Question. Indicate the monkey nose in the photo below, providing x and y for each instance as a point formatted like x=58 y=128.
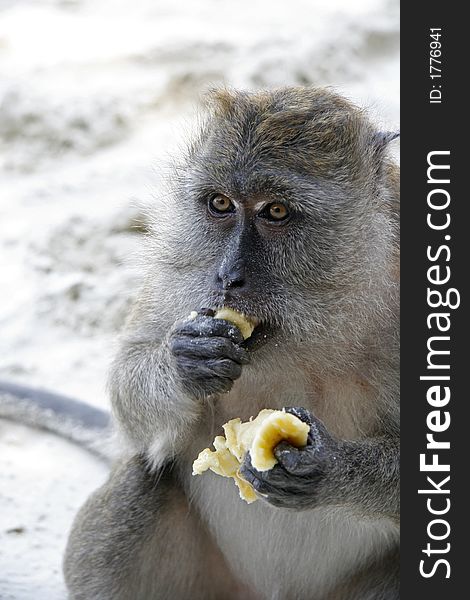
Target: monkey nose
x=234 y=277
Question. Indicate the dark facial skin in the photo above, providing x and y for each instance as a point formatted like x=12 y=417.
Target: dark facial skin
x=209 y=353
x=251 y=230
x=249 y=225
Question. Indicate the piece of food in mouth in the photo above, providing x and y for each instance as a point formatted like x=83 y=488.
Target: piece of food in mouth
x=245 y=324
x=258 y=436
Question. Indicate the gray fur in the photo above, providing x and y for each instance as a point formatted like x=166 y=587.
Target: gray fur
x=325 y=287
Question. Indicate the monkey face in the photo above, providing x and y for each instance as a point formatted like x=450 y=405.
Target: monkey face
x=277 y=210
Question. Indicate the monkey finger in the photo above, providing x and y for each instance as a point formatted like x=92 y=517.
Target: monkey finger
x=254 y=478
x=296 y=461
x=224 y=367
x=273 y=485
x=201 y=370
x=267 y=480
x=202 y=326
x=208 y=347
x=318 y=436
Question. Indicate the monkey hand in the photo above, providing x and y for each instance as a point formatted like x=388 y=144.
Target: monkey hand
x=296 y=480
x=208 y=354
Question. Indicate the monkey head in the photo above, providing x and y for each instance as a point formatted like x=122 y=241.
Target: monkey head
x=280 y=211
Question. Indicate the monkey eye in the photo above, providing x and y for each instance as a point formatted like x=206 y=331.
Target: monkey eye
x=275 y=211
x=220 y=205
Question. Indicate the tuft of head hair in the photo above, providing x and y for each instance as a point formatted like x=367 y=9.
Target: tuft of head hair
x=308 y=131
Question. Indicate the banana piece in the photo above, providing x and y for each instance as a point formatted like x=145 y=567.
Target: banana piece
x=245 y=324
x=258 y=436
x=275 y=428
x=224 y=463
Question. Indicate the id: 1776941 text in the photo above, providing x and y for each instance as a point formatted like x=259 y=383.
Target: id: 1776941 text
x=435 y=65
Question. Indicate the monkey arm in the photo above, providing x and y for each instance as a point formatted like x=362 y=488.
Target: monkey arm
x=158 y=388
x=372 y=469
x=362 y=474
x=151 y=407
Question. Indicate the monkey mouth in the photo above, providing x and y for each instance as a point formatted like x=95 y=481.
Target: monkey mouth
x=262 y=330
x=261 y=334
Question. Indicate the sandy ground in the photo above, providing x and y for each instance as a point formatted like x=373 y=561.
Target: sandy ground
x=95 y=96
x=43 y=480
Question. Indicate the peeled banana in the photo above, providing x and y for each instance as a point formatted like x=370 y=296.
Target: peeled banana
x=259 y=436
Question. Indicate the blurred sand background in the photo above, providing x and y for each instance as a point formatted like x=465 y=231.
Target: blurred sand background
x=95 y=96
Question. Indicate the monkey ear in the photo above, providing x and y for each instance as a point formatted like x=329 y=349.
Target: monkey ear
x=383 y=138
